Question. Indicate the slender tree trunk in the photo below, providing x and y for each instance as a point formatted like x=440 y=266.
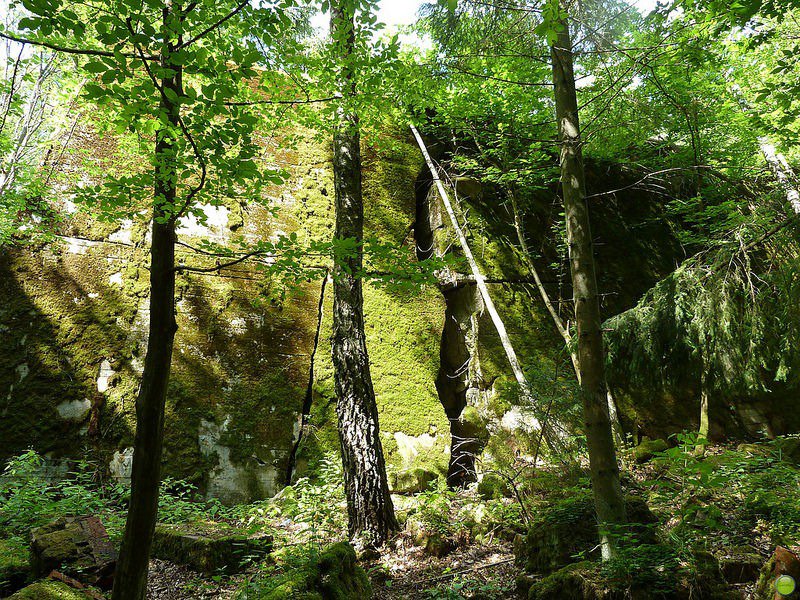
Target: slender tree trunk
x=704 y=428
x=130 y=582
x=608 y=498
x=369 y=505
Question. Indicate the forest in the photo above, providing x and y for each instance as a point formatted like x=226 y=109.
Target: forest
x=352 y=299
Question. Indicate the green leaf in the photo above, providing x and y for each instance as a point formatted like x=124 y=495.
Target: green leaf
x=96 y=67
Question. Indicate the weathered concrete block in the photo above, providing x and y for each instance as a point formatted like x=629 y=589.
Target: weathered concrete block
x=569 y=528
x=76 y=546
x=209 y=550
x=741 y=566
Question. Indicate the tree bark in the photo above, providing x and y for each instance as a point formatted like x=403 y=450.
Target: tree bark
x=370 y=511
x=608 y=498
x=130 y=581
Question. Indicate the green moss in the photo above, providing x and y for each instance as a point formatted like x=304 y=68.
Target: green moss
x=332 y=575
x=648 y=449
x=14 y=565
x=210 y=548
x=567 y=528
x=493 y=486
x=48 y=590
x=579 y=581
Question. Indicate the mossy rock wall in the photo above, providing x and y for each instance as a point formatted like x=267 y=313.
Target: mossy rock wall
x=74 y=317
x=730 y=332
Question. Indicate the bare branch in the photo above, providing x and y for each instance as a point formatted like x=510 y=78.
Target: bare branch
x=216 y=25
x=68 y=50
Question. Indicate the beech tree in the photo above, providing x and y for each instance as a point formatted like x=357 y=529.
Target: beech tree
x=369 y=505
x=167 y=71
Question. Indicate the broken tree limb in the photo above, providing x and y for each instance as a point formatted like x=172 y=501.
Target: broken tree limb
x=550 y=435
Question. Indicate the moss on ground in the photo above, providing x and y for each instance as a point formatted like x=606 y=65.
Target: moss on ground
x=14 y=565
x=48 y=590
x=332 y=575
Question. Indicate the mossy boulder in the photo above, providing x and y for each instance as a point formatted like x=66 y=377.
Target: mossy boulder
x=209 y=548
x=436 y=542
x=15 y=567
x=76 y=546
x=648 y=449
x=409 y=481
x=789 y=448
x=567 y=529
x=49 y=590
x=753 y=449
x=493 y=486
x=333 y=575
x=578 y=581
x=741 y=565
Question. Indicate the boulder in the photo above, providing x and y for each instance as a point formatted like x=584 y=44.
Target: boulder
x=411 y=481
x=753 y=449
x=15 y=567
x=49 y=590
x=789 y=448
x=76 y=546
x=435 y=543
x=568 y=528
x=647 y=450
x=578 y=581
x=493 y=486
x=334 y=575
x=209 y=549
x=782 y=562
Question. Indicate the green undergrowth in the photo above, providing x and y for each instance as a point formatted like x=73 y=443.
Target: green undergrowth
x=31 y=496
x=709 y=503
x=696 y=506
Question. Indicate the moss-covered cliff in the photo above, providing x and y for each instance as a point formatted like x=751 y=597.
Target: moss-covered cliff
x=725 y=326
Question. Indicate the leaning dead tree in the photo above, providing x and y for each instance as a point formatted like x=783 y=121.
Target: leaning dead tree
x=550 y=434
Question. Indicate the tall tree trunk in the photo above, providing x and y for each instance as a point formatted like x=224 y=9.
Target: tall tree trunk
x=608 y=498
x=369 y=505
x=130 y=582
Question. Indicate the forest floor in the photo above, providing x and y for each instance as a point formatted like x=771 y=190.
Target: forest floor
x=730 y=504
x=486 y=571
x=471 y=571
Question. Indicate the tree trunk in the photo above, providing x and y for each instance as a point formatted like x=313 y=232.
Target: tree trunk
x=130 y=581
x=604 y=469
x=369 y=505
